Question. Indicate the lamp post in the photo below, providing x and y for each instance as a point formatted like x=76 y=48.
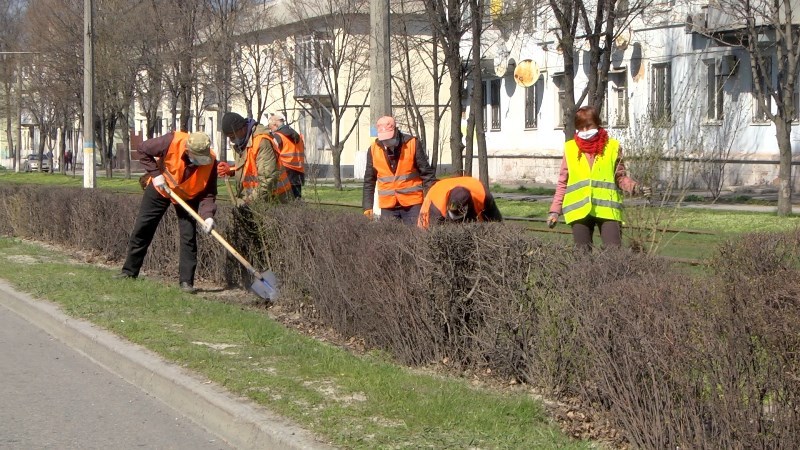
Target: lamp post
x=89 y=180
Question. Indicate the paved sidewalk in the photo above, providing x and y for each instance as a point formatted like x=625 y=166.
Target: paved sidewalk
x=237 y=421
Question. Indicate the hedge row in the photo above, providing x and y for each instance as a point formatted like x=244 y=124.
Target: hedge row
x=671 y=360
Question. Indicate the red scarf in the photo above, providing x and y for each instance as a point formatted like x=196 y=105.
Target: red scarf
x=594 y=145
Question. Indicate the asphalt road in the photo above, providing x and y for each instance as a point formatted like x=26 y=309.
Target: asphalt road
x=53 y=397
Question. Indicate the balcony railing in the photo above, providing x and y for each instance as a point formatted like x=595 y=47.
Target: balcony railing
x=309 y=83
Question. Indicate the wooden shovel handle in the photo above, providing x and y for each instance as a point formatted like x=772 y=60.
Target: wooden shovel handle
x=214 y=233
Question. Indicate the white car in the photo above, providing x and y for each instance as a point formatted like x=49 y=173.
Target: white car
x=31 y=164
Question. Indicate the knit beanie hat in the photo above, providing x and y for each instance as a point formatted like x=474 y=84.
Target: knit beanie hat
x=232 y=122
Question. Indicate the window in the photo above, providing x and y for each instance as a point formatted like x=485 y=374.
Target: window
x=762 y=108
x=533 y=103
x=619 y=98
x=714 y=91
x=796 y=102
x=314 y=52
x=558 y=80
x=494 y=93
x=661 y=94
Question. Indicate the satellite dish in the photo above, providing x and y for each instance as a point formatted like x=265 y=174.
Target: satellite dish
x=500 y=66
x=526 y=73
x=623 y=39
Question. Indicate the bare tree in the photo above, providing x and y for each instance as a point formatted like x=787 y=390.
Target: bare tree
x=770 y=33
x=330 y=63
x=449 y=19
x=10 y=12
x=416 y=51
x=594 y=25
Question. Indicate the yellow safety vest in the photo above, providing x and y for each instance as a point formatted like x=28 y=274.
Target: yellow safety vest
x=592 y=191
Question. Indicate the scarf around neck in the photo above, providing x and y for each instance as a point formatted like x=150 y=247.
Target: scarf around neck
x=594 y=145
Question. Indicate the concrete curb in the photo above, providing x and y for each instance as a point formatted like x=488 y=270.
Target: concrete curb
x=237 y=421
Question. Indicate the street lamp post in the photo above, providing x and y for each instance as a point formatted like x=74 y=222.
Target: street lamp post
x=89 y=180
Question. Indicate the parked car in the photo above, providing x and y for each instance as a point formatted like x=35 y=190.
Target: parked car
x=31 y=164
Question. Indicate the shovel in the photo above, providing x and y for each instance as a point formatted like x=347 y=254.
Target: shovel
x=265 y=283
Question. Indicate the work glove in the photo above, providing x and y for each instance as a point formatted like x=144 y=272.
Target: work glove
x=368 y=214
x=224 y=169
x=161 y=184
x=552 y=219
x=644 y=191
x=208 y=225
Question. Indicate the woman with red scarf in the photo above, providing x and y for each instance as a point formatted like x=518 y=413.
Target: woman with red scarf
x=588 y=190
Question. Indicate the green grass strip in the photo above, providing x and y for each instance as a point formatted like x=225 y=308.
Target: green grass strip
x=354 y=401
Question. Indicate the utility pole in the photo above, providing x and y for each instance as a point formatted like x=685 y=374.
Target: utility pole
x=18 y=155
x=380 y=98
x=89 y=180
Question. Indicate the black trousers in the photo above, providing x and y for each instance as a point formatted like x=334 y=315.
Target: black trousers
x=610 y=232
x=151 y=211
x=296 y=179
x=407 y=214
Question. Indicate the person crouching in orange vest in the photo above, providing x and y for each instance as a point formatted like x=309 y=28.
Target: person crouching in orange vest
x=185 y=164
x=291 y=151
x=398 y=166
x=257 y=171
x=457 y=200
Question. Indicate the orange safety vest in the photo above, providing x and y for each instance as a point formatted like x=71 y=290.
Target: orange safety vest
x=173 y=167
x=439 y=195
x=250 y=169
x=292 y=155
x=404 y=186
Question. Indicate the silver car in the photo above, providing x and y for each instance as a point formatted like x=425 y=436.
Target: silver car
x=31 y=164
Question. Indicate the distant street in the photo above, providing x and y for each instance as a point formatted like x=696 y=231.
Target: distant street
x=53 y=397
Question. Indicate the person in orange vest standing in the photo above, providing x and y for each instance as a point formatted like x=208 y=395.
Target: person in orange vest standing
x=291 y=151
x=257 y=171
x=185 y=164
x=398 y=166
x=458 y=200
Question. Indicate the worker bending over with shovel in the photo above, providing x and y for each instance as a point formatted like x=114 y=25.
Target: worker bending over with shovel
x=257 y=171
x=183 y=163
x=458 y=200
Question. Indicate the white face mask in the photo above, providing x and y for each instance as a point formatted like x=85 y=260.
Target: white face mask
x=588 y=134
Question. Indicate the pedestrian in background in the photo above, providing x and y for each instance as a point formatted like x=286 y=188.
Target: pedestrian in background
x=67 y=160
x=257 y=172
x=589 y=184
x=398 y=166
x=184 y=164
x=458 y=200
x=291 y=151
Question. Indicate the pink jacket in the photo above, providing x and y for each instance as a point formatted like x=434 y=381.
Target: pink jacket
x=620 y=176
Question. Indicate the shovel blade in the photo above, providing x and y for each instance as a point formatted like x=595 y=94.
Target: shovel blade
x=265 y=285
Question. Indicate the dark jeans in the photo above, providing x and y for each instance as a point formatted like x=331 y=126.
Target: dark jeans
x=297 y=179
x=151 y=211
x=408 y=214
x=610 y=232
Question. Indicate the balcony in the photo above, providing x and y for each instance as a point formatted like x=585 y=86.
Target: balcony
x=309 y=83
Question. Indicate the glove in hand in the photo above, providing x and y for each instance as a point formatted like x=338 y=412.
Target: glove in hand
x=552 y=220
x=224 y=169
x=208 y=225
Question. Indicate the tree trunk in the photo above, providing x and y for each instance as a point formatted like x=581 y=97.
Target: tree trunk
x=337 y=164
x=783 y=130
x=62 y=148
x=456 y=146
x=9 y=134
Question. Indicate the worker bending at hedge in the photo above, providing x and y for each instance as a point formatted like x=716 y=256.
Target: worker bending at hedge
x=291 y=151
x=398 y=166
x=257 y=171
x=458 y=200
x=185 y=164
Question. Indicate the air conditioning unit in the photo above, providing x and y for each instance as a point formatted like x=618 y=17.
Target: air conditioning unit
x=727 y=66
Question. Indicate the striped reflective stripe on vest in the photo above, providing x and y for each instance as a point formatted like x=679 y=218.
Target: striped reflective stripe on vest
x=594 y=201
x=408 y=190
x=394 y=178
